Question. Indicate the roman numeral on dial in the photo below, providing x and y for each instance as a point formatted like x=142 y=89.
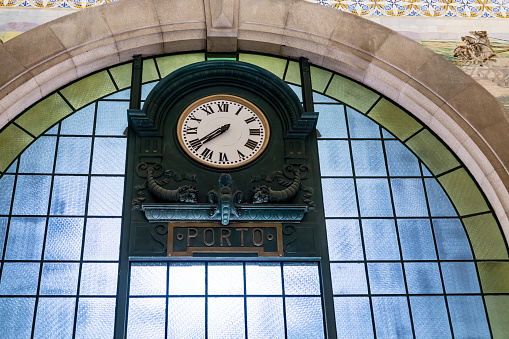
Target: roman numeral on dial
x=250 y=120
x=251 y=144
x=222 y=107
x=207 y=154
x=222 y=157
x=208 y=110
x=192 y=130
x=254 y=131
x=196 y=144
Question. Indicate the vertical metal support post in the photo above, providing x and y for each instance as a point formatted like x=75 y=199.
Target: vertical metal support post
x=135 y=99
x=307 y=89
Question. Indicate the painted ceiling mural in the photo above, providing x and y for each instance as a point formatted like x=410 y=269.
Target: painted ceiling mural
x=473 y=34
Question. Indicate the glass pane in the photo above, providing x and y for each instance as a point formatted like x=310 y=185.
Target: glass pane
x=349 y=279
x=439 y=203
x=380 y=239
x=109 y=156
x=452 y=241
x=32 y=195
x=80 y=123
x=387 y=135
x=125 y=94
x=63 y=239
x=148 y=279
x=3 y=231
x=304 y=318
x=353 y=317
x=106 y=196
x=391 y=317
x=374 y=197
x=186 y=279
x=53 y=130
x=6 y=185
x=146 y=318
x=360 y=126
x=301 y=279
x=111 y=118
x=73 y=155
x=99 y=279
x=460 y=277
x=368 y=158
x=265 y=318
x=416 y=239
x=69 y=195
x=26 y=236
x=186 y=318
x=19 y=278
x=319 y=98
x=423 y=278
x=400 y=160
x=13 y=167
x=225 y=278
x=334 y=158
x=59 y=278
x=55 y=318
x=468 y=317
x=223 y=308
x=39 y=157
x=102 y=239
x=331 y=121
x=146 y=88
x=386 y=278
x=430 y=317
x=16 y=316
x=339 y=197
x=405 y=190
x=96 y=318
x=344 y=239
x=263 y=279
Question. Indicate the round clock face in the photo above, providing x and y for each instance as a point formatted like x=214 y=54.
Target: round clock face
x=223 y=131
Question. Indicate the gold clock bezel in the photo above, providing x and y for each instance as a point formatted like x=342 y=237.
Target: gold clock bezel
x=229 y=97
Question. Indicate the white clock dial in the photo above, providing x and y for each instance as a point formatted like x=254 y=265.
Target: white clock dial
x=223 y=131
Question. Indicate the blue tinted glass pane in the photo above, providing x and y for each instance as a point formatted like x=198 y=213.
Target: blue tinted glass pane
x=125 y=94
x=334 y=158
x=374 y=197
x=368 y=158
x=349 y=279
x=361 y=126
x=80 y=123
x=301 y=279
x=63 y=239
x=55 y=318
x=148 y=279
x=52 y=131
x=425 y=171
x=460 y=277
x=439 y=203
x=400 y=160
x=416 y=239
x=6 y=185
x=96 y=318
x=19 y=278
x=32 y=195
x=73 y=155
x=319 y=98
x=225 y=278
x=3 y=230
x=423 y=278
x=16 y=316
x=26 y=236
x=339 y=197
x=69 y=195
x=13 y=167
x=146 y=88
x=39 y=157
x=380 y=239
x=386 y=278
x=109 y=156
x=59 y=278
x=387 y=135
x=186 y=318
x=452 y=241
x=99 y=279
x=186 y=278
x=265 y=318
x=102 y=239
x=106 y=196
x=111 y=118
x=220 y=309
x=468 y=317
x=353 y=317
x=146 y=318
x=391 y=317
x=331 y=121
x=304 y=318
x=430 y=317
x=405 y=191
x=263 y=278
x=344 y=239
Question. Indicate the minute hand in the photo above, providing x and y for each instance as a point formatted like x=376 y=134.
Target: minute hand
x=215 y=133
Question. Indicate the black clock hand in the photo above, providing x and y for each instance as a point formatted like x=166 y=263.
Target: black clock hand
x=215 y=133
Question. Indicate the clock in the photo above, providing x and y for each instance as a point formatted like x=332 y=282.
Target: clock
x=223 y=131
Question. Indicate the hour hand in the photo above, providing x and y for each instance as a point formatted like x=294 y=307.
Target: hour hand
x=215 y=133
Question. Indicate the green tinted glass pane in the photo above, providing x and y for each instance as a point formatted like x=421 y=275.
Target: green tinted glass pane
x=432 y=152
x=494 y=276
x=273 y=65
x=122 y=75
x=171 y=63
x=88 y=89
x=44 y=114
x=497 y=306
x=12 y=141
x=394 y=119
x=351 y=93
x=319 y=79
x=293 y=73
x=149 y=71
x=222 y=56
x=486 y=238
x=463 y=192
